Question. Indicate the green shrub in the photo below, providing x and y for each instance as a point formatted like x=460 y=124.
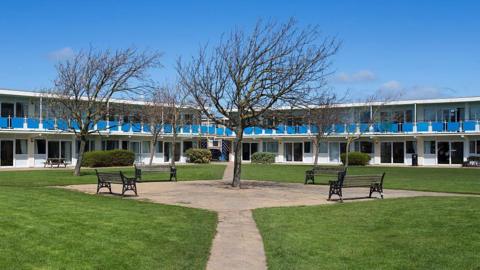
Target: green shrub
x=197 y=155
x=108 y=158
x=356 y=158
x=263 y=158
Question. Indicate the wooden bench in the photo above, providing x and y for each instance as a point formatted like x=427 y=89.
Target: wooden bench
x=374 y=182
x=140 y=169
x=337 y=172
x=105 y=180
x=55 y=162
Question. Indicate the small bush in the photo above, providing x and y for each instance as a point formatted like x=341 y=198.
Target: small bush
x=263 y=158
x=197 y=155
x=356 y=158
x=108 y=158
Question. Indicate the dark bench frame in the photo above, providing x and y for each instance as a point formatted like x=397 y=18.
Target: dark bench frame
x=105 y=180
x=139 y=170
x=324 y=170
x=374 y=182
x=55 y=162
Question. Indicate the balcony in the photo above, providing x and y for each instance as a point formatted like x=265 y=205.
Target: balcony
x=113 y=127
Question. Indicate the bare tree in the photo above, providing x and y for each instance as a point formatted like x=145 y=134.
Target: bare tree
x=164 y=107
x=247 y=75
x=87 y=83
x=323 y=113
x=373 y=105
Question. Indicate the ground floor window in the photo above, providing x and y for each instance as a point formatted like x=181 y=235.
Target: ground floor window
x=159 y=147
x=307 y=147
x=187 y=145
x=40 y=147
x=271 y=147
x=429 y=148
x=146 y=147
x=323 y=148
x=21 y=147
x=392 y=152
x=411 y=147
x=109 y=145
x=89 y=146
x=59 y=149
x=364 y=147
x=474 y=147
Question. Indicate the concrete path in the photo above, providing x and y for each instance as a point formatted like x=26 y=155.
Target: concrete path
x=238 y=243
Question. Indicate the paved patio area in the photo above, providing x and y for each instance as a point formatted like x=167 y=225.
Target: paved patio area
x=238 y=243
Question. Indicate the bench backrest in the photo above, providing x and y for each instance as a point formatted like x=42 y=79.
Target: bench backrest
x=362 y=180
x=153 y=168
x=114 y=177
x=328 y=170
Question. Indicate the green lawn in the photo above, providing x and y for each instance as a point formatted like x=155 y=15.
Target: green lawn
x=51 y=177
x=413 y=233
x=49 y=228
x=460 y=180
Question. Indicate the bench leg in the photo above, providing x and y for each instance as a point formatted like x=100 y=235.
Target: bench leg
x=309 y=178
x=104 y=185
x=376 y=188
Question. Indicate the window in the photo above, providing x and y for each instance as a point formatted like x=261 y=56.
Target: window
x=146 y=147
x=478 y=147
x=125 y=145
x=430 y=115
x=323 y=147
x=20 y=112
x=472 y=147
x=411 y=147
x=307 y=147
x=159 y=147
x=366 y=147
x=109 y=145
x=90 y=146
x=187 y=145
x=40 y=147
x=429 y=147
x=20 y=147
x=271 y=147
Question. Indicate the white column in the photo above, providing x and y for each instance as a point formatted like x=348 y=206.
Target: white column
x=420 y=152
x=281 y=153
x=31 y=152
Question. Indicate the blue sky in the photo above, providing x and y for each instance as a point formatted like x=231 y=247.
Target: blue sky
x=422 y=49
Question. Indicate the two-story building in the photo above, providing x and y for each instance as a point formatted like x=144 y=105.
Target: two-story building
x=439 y=131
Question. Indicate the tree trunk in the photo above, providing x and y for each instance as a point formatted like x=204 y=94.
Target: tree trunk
x=347 y=150
x=316 y=143
x=174 y=144
x=81 y=151
x=153 y=146
x=237 y=161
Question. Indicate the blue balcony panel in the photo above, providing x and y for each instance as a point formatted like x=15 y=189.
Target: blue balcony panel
x=187 y=128
x=33 y=123
x=211 y=130
x=102 y=125
x=352 y=128
x=268 y=131
x=364 y=128
x=220 y=131
x=339 y=128
x=147 y=128
x=17 y=122
x=228 y=132
x=437 y=126
x=167 y=128
x=257 y=130
x=314 y=129
x=248 y=131
x=303 y=129
x=75 y=125
x=281 y=129
x=469 y=125
x=49 y=124
x=62 y=124
x=290 y=130
x=3 y=122
x=195 y=128
x=203 y=129
x=422 y=127
x=126 y=127
x=137 y=127
x=453 y=126
x=407 y=127
x=113 y=125
x=394 y=127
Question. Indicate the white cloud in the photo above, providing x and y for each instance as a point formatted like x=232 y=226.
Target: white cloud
x=61 y=54
x=395 y=88
x=359 y=76
x=391 y=86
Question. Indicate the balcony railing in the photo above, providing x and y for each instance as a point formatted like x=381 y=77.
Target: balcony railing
x=212 y=130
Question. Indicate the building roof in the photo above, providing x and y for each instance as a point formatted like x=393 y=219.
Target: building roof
x=23 y=93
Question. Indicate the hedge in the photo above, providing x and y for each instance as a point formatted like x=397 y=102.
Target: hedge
x=197 y=155
x=356 y=158
x=108 y=158
x=263 y=157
